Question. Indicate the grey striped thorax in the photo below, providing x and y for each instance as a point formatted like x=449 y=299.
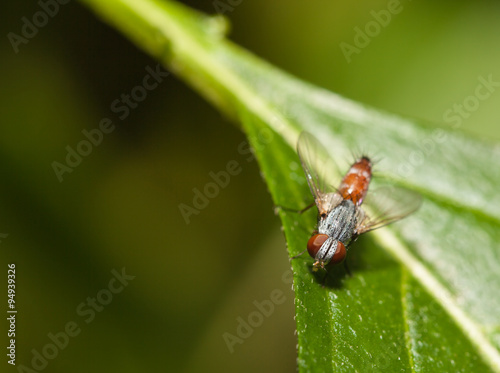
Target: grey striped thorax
x=340 y=222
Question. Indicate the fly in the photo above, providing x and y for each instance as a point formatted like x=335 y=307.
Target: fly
x=341 y=216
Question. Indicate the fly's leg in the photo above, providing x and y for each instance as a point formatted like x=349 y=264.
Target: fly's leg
x=277 y=208
x=300 y=254
x=348 y=271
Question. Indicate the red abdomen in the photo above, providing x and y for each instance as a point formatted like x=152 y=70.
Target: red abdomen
x=355 y=183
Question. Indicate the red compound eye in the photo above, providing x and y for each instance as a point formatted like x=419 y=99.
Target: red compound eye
x=339 y=255
x=314 y=243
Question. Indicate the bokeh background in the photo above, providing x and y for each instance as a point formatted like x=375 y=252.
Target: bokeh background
x=119 y=207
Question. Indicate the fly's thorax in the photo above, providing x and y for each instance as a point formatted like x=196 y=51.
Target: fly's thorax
x=340 y=222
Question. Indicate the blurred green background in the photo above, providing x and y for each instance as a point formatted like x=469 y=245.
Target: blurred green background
x=119 y=208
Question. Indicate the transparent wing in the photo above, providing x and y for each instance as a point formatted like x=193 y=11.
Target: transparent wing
x=385 y=206
x=323 y=175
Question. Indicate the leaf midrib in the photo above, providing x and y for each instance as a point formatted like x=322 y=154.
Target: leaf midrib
x=404 y=302
x=391 y=243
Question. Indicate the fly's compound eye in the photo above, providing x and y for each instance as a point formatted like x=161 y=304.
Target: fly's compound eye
x=339 y=255
x=315 y=243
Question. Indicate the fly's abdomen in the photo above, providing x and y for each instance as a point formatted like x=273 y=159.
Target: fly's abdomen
x=355 y=183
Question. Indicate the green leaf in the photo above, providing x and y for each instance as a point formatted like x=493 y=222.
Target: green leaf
x=424 y=292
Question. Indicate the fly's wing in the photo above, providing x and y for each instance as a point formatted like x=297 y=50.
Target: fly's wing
x=321 y=172
x=386 y=205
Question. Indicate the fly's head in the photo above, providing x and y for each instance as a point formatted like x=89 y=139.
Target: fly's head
x=325 y=250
